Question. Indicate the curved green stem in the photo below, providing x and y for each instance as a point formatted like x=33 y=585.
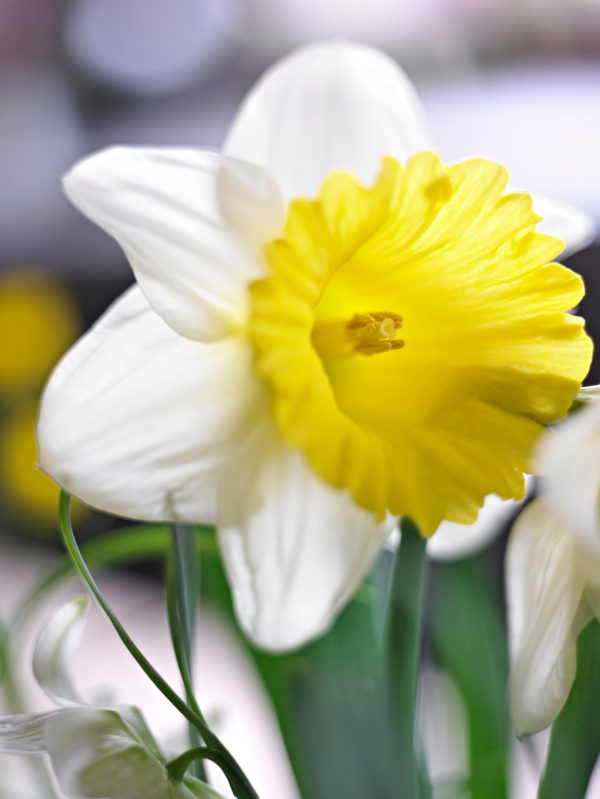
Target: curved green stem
x=237 y=779
x=124 y=544
x=180 y=765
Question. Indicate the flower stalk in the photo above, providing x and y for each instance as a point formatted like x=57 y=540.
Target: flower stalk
x=179 y=765
x=403 y=638
x=238 y=781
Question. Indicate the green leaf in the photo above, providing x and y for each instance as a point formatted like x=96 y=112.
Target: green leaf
x=329 y=702
x=183 y=595
x=403 y=647
x=329 y=696
x=468 y=639
x=575 y=739
x=187 y=576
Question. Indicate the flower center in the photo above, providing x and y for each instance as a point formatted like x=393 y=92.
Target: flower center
x=365 y=334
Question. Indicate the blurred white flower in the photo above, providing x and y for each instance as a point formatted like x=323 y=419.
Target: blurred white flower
x=159 y=413
x=553 y=572
x=94 y=751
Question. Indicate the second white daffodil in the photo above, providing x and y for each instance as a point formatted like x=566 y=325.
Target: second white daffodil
x=330 y=328
x=553 y=572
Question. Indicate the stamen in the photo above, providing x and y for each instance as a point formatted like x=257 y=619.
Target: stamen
x=366 y=334
x=375 y=347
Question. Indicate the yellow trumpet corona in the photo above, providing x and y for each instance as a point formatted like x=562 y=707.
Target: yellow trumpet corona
x=426 y=423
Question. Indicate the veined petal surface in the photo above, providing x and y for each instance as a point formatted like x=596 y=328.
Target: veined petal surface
x=24 y=734
x=138 y=421
x=326 y=107
x=175 y=212
x=544 y=589
x=295 y=550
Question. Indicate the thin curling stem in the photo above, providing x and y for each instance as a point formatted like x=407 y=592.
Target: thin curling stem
x=238 y=781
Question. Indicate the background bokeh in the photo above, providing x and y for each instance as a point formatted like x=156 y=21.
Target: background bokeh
x=516 y=80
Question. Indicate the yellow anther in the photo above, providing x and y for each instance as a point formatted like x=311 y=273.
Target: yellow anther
x=366 y=334
x=387 y=328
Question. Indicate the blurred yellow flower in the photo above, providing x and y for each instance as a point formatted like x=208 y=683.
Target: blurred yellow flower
x=38 y=321
x=32 y=495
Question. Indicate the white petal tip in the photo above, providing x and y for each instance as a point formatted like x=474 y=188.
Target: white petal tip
x=575 y=227
x=328 y=106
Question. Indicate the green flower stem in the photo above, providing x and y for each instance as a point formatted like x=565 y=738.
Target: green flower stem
x=123 y=545
x=403 y=631
x=182 y=593
x=240 y=785
x=180 y=765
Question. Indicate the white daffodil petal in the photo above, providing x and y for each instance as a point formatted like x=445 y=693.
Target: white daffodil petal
x=138 y=421
x=25 y=734
x=570 y=460
x=171 y=211
x=544 y=590
x=295 y=549
x=573 y=226
x=251 y=204
x=326 y=107
x=55 y=651
x=453 y=541
x=94 y=754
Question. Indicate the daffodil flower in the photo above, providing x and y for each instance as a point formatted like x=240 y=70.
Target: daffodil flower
x=553 y=572
x=94 y=751
x=330 y=328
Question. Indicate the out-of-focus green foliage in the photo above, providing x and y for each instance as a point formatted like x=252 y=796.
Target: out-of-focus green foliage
x=469 y=642
x=329 y=697
x=575 y=739
x=402 y=650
